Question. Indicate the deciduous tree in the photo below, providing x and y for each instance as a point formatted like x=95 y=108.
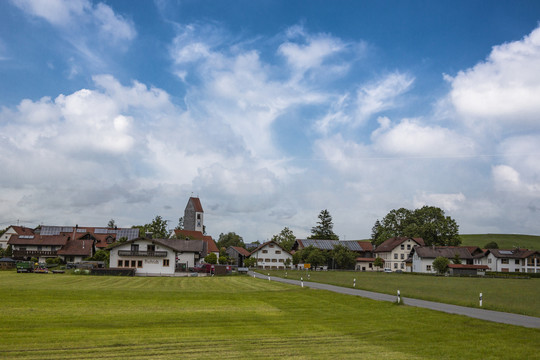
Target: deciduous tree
x=230 y=239
x=440 y=264
x=285 y=239
x=343 y=257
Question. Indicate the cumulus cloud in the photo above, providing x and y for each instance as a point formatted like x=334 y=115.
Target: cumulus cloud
x=503 y=90
x=447 y=202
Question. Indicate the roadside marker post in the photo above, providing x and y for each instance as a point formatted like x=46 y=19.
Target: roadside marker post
x=480 y=299
x=268 y=277
x=398 y=297
x=354 y=283
x=302 y=281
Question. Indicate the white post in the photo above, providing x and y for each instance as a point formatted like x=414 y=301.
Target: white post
x=480 y=299
x=302 y=281
x=285 y=274
x=398 y=297
x=268 y=277
x=354 y=283
x=308 y=276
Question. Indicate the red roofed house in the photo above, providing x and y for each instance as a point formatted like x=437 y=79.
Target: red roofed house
x=271 y=256
x=395 y=251
x=14 y=230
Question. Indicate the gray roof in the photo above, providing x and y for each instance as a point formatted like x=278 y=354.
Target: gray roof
x=352 y=245
x=444 y=251
x=180 y=245
x=7 y=260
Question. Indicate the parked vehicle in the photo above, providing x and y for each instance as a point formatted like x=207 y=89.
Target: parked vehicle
x=25 y=266
x=387 y=270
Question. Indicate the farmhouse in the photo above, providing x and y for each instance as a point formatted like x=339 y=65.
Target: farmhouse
x=238 y=255
x=271 y=256
x=514 y=260
x=423 y=256
x=395 y=252
x=157 y=256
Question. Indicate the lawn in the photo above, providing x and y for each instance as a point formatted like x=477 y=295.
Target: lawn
x=505 y=241
x=85 y=317
x=518 y=296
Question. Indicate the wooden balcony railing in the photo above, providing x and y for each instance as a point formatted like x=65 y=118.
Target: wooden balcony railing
x=142 y=253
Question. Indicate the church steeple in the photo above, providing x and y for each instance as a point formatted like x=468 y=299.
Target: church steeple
x=194 y=215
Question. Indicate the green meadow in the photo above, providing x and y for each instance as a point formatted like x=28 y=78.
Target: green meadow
x=505 y=241
x=46 y=316
x=520 y=296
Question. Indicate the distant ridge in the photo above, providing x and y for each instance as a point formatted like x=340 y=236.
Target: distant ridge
x=505 y=241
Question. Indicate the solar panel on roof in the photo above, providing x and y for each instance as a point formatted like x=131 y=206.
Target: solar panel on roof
x=101 y=231
x=505 y=252
x=81 y=230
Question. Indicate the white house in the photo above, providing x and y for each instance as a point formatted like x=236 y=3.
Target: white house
x=14 y=230
x=514 y=260
x=157 y=256
x=423 y=256
x=271 y=256
x=395 y=251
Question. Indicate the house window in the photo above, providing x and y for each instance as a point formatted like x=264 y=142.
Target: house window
x=120 y=263
x=260 y=260
x=278 y=251
x=139 y=263
x=395 y=256
x=271 y=245
x=165 y=262
x=428 y=267
x=280 y=260
x=274 y=260
x=517 y=262
x=395 y=265
x=408 y=246
x=135 y=247
x=151 y=248
x=267 y=260
x=198 y=216
x=517 y=270
x=133 y=263
x=109 y=240
x=265 y=251
x=402 y=256
x=403 y=265
x=402 y=246
x=504 y=261
x=489 y=261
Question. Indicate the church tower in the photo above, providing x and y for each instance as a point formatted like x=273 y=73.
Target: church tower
x=194 y=215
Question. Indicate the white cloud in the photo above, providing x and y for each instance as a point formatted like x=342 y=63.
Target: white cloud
x=411 y=138
x=447 y=202
x=502 y=91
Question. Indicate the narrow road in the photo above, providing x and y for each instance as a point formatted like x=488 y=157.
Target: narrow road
x=489 y=315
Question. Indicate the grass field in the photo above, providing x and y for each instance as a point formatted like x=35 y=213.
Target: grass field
x=520 y=296
x=505 y=241
x=86 y=317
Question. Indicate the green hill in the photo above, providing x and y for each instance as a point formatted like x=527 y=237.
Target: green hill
x=505 y=241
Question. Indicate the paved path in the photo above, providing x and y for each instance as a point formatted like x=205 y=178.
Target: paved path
x=489 y=315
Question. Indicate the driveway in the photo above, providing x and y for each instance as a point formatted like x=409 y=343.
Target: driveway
x=489 y=315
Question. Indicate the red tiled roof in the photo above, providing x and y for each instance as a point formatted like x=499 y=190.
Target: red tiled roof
x=241 y=250
x=366 y=245
x=22 y=230
x=77 y=247
x=391 y=243
x=196 y=204
x=39 y=240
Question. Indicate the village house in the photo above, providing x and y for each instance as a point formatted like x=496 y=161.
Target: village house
x=14 y=230
x=271 y=256
x=469 y=256
x=157 y=256
x=514 y=260
x=395 y=252
x=363 y=250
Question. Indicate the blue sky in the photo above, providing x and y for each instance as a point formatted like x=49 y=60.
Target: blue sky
x=270 y=111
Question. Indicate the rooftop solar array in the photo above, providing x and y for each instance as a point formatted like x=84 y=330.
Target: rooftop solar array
x=329 y=244
x=56 y=230
x=26 y=236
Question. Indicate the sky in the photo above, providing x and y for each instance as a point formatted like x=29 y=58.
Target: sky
x=270 y=111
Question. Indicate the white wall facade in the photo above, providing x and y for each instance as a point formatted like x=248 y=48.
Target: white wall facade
x=501 y=264
x=422 y=265
x=395 y=259
x=271 y=256
x=144 y=265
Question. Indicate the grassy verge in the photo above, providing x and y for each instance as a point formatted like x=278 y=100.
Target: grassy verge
x=85 y=317
x=518 y=296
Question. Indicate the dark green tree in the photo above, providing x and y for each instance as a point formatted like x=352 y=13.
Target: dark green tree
x=211 y=258
x=250 y=262
x=158 y=228
x=440 y=264
x=491 y=245
x=230 y=239
x=343 y=257
x=285 y=239
x=428 y=222
x=316 y=257
x=111 y=224
x=180 y=225
x=324 y=228
x=379 y=262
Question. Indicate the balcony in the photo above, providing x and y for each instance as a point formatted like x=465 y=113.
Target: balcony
x=142 y=253
x=33 y=253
